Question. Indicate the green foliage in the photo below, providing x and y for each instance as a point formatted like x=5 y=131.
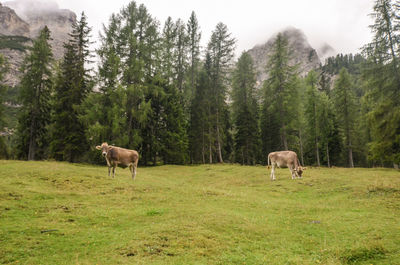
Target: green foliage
x=245 y=111
x=139 y=103
x=14 y=43
x=281 y=106
x=382 y=83
x=312 y=112
x=156 y=93
x=351 y=62
x=200 y=137
x=346 y=109
x=71 y=87
x=35 y=95
x=174 y=135
x=194 y=37
x=210 y=120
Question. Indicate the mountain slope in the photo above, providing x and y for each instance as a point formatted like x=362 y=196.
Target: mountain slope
x=302 y=54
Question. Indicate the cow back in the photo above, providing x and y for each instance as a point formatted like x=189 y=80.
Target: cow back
x=122 y=156
x=284 y=158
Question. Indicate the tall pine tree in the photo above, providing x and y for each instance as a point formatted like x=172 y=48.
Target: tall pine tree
x=72 y=86
x=200 y=127
x=382 y=78
x=194 y=37
x=280 y=97
x=312 y=110
x=245 y=111
x=221 y=50
x=344 y=100
x=35 y=96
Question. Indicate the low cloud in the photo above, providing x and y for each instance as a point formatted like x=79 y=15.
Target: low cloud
x=27 y=8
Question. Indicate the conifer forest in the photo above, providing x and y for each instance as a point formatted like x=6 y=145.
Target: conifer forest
x=152 y=87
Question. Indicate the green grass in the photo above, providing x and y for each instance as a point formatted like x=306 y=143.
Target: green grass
x=60 y=213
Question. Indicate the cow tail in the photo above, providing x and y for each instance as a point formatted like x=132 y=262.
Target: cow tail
x=269 y=159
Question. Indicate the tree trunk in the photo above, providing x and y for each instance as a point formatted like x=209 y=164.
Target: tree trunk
x=32 y=144
x=209 y=145
x=203 y=151
x=327 y=155
x=317 y=152
x=351 y=163
x=301 y=148
x=219 y=141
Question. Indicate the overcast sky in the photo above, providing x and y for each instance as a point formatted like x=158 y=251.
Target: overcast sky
x=343 y=24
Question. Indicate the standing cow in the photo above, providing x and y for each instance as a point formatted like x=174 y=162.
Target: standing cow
x=285 y=159
x=117 y=156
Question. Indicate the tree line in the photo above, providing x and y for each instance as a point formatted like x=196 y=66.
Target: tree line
x=156 y=90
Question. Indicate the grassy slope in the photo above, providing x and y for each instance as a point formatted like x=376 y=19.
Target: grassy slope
x=220 y=214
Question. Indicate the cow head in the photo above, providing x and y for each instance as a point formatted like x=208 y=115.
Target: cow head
x=104 y=147
x=300 y=170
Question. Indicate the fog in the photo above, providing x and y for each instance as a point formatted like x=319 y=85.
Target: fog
x=26 y=7
x=342 y=24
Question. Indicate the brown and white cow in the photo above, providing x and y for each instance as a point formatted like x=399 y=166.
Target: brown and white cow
x=117 y=156
x=285 y=159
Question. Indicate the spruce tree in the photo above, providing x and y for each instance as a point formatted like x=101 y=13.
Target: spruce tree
x=312 y=109
x=104 y=112
x=382 y=76
x=35 y=96
x=245 y=111
x=326 y=118
x=344 y=101
x=137 y=85
x=167 y=50
x=72 y=86
x=221 y=50
x=180 y=55
x=200 y=127
x=174 y=135
x=194 y=37
x=281 y=94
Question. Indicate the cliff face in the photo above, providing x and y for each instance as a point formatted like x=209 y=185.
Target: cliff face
x=20 y=22
x=302 y=54
x=11 y=23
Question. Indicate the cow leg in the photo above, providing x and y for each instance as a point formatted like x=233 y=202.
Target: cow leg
x=109 y=170
x=114 y=171
x=134 y=166
x=273 y=172
x=132 y=170
x=293 y=172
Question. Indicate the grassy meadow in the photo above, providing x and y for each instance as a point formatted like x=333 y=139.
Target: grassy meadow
x=60 y=213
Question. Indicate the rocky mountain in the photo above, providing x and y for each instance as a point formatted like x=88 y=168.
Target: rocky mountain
x=11 y=23
x=21 y=21
x=302 y=53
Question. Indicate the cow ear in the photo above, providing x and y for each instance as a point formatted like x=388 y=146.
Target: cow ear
x=304 y=168
x=98 y=147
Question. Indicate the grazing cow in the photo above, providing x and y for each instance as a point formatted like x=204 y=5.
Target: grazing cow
x=117 y=156
x=285 y=159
